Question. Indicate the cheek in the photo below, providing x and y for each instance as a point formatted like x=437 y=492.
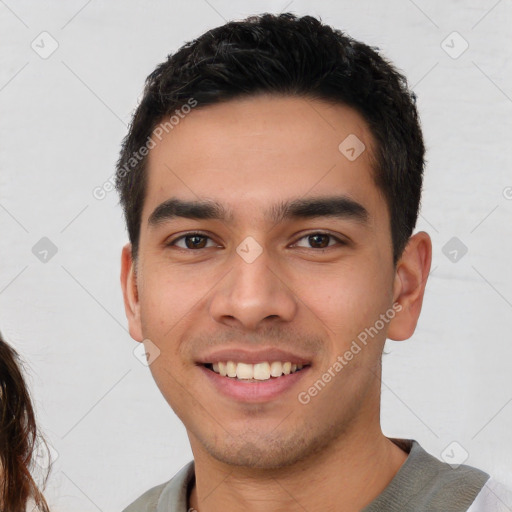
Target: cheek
x=164 y=306
x=168 y=297
x=172 y=301
x=347 y=299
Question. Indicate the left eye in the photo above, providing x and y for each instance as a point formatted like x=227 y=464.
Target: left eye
x=199 y=241
x=318 y=240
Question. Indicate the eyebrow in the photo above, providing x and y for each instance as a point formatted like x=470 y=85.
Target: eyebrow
x=342 y=207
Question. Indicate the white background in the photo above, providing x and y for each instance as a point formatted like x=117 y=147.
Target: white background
x=61 y=123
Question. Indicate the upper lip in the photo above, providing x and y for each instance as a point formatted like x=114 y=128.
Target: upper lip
x=253 y=356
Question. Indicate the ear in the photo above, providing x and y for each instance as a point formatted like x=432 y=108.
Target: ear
x=130 y=293
x=411 y=276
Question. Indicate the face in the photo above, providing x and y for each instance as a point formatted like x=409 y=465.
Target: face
x=254 y=281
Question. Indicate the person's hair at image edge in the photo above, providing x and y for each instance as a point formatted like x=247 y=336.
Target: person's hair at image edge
x=285 y=55
x=18 y=437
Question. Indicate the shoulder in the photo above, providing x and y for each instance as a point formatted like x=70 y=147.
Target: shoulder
x=171 y=495
x=449 y=486
x=148 y=501
x=494 y=497
x=424 y=482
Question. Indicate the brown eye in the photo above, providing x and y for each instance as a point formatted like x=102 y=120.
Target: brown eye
x=320 y=240
x=192 y=241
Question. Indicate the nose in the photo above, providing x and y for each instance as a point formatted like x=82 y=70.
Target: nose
x=253 y=293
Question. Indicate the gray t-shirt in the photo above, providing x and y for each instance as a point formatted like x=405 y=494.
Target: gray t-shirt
x=423 y=483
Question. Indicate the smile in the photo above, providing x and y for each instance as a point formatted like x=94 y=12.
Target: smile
x=254 y=383
x=254 y=372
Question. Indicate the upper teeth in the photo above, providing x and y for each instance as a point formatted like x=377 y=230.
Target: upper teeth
x=258 y=371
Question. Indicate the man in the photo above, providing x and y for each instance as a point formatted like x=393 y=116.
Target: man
x=271 y=181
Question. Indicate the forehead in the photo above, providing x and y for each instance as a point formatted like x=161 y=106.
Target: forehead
x=253 y=153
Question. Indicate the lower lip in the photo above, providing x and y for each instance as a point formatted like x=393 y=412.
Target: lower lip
x=261 y=391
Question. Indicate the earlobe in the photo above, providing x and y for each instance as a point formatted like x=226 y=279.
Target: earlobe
x=411 y=276
x=130 y=293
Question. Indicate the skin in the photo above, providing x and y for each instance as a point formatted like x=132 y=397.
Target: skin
x=249 y=154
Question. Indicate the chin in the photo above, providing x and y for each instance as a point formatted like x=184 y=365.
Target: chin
x=257 y=451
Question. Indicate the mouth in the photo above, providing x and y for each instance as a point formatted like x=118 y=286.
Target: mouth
x=258 y=372
x=261 y=382
x=254 y=376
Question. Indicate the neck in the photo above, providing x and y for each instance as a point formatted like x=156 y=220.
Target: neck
x=353 y=472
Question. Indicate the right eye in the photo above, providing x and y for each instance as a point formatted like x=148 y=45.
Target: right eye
x=193 y=241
